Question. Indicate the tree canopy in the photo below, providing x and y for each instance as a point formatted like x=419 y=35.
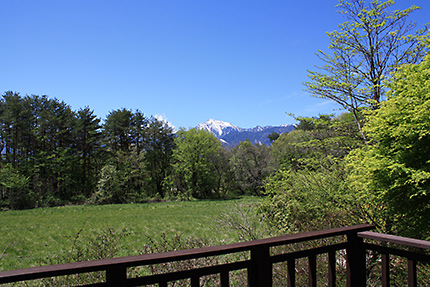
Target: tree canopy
x=392 y=175
x=379 y=72
x=364 y=51
x=194 y=161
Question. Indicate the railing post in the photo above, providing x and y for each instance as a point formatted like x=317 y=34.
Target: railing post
x=412 y=273
x=225 y=279
x=260 y=271
x=116 y=276
x=356 y=261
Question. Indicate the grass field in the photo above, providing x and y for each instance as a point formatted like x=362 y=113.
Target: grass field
x=31 y=237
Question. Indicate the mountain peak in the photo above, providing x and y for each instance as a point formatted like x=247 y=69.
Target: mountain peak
x=217 y=127
x=231 y=135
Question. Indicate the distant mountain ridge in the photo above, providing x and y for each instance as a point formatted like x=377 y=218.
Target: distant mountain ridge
x=231 y=135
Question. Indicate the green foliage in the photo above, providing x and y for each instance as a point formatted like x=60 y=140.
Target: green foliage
x=14 y=188
x=273 y=136
x=288 y=150
x=68 y=157
x=392 y=176
x=366 y=49
x=251 y=164
x=159 y=145
x=55 y=148
x=140 y=158
x=309 y=192
x=314 y=139
x=103 y=244
x=88 y=147
x=195 y=158
x=308 y=199
x=124 y=129
x=60 y=153
x=123 y=180
x=42 y=235
x=247 y=222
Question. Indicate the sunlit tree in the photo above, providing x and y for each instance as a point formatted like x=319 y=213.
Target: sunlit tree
x=392 y=175
x=372 y=43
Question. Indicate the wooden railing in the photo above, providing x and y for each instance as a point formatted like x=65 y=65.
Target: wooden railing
x=259 y=264
x=412 y=256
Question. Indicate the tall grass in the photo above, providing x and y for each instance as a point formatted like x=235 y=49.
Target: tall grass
x=41 y=236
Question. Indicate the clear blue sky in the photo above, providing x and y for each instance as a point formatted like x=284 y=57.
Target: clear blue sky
x=238 y=61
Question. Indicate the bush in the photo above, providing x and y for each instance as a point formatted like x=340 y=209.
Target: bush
x=305 y=200
x=392 y=175
x=102 y=244
x=14 y=189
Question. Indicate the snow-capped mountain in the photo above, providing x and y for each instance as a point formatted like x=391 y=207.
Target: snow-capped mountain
x=218 y=128
x=231 y=135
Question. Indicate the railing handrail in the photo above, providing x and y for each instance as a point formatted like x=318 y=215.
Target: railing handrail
x=148 y=259
x=410 y=242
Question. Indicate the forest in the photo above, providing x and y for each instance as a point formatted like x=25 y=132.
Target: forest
x=370 y=163
x=53 y=156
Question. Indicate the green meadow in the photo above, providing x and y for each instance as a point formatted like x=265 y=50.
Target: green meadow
x=33 y=237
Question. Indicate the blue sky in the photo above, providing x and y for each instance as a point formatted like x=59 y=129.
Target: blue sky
x=238 y=61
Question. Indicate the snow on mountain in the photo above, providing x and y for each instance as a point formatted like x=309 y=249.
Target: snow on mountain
x=231 y=135
x=223 y=142
x=219 y=128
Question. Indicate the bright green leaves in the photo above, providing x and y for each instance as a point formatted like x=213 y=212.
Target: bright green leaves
x=14 y=189
x=394 y=172
x=309 y=191
x=367 y=48
x=309 y=199
x=195 y=158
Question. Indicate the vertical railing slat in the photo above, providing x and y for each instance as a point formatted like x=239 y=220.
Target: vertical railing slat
x=312 y=272
x=412 y=273
x=291 y=272
x=225 y=279
x=385 y=270
x=331 y=268
x=195 y=281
